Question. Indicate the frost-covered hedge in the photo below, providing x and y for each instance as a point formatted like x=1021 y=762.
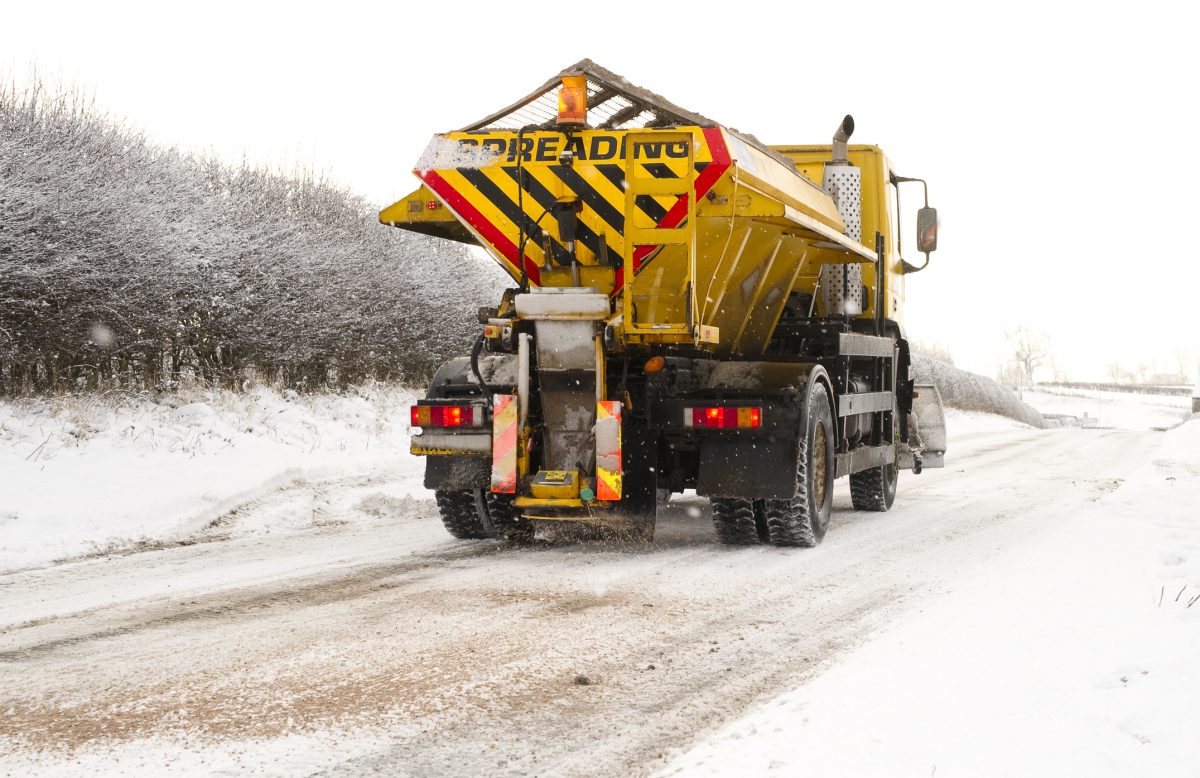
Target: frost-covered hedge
x=972 y=392
x=123 y=263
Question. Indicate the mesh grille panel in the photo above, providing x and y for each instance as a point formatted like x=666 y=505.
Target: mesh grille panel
x=607 y=109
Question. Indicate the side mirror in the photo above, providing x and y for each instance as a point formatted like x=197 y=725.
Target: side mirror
x=927 y=226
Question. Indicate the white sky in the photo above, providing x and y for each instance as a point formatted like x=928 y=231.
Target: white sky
x=1058 y=141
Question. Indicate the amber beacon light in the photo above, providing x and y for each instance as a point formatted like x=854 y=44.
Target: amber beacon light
x=572 y=101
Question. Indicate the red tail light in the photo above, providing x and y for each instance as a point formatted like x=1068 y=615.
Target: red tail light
x=723 y=417
x=447 y=416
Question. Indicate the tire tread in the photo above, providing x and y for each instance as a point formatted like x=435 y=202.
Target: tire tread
x=460 y=515
x=794 y=522
x=867 y=490
x=734 y=520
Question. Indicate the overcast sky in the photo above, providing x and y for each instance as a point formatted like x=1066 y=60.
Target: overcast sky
x=1059 y=142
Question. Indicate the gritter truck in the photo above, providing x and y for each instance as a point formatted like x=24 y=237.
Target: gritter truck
x=690 y=309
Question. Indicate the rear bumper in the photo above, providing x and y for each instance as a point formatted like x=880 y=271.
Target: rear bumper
x=442 y=443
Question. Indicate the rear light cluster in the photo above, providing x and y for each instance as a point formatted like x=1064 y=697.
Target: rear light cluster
x=447 y=416
x=722 y=417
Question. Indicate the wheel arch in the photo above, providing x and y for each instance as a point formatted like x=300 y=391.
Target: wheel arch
x=818 y=377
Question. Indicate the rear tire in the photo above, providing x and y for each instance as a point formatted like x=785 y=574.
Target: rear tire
x=461 y=515
x=874 y=489
x=505 y=518
x=802 y=520
x=739 y=522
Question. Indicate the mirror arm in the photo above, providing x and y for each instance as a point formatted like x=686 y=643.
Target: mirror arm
x=905 y=180
x=905 y=265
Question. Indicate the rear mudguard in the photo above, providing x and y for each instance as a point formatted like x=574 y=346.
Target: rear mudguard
x=760 y=463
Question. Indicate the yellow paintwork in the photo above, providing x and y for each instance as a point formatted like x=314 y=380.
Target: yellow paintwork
x=414 y=209
x=878 y=213
x=548 y=502
x=719 y=279
x=670 y=298
x=556 y=484
x=419 y=450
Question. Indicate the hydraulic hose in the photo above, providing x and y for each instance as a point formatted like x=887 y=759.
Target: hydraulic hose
x=483 y=387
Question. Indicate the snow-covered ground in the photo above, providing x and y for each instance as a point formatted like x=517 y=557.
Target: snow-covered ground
x=100 y=475
x=1027 y=610
x=963 y=424
x=1101 y=408
x=1074 y=654
x=85 y=475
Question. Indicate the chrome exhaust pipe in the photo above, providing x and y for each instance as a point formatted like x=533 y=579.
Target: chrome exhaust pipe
x=840 y=139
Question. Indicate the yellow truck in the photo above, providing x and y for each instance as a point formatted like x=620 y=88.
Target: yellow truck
x=691 y=309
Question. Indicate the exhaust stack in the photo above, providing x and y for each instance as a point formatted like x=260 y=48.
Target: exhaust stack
x=841 y=285
x=840 y=138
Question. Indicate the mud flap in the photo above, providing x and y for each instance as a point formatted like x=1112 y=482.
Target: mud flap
x=457 y=473
x=747 y=468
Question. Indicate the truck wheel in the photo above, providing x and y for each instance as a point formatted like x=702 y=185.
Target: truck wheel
x=801 y=521
x=739 y=522
x=505 y=518
x=874 y=489
x=461 y=515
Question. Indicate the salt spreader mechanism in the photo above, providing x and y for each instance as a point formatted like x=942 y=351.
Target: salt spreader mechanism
x=691 y=309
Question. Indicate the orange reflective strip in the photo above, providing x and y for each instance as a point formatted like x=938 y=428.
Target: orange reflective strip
x=504 y=443
x=608 y=450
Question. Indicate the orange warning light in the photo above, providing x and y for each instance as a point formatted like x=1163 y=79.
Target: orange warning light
x=572 y=101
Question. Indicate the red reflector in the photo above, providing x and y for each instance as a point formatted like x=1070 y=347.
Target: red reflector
x=433 y=205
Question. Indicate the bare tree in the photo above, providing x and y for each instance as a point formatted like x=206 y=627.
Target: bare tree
x=1115 y=372
x=1030 y=350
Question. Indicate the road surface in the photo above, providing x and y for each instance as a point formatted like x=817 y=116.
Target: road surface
x=383 y=646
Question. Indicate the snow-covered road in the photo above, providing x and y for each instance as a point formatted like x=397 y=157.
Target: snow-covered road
x=382 y=646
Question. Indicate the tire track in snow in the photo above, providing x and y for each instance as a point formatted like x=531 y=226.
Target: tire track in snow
x=464 y=657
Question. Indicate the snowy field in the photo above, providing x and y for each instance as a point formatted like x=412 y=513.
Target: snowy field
x=89 y=475
x=1073 y=654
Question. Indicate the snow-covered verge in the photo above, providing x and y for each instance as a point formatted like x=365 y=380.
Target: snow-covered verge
x=1074 y=654
x=961 y=424
x=93 y=473
x=1106 y=408
x=972 y=392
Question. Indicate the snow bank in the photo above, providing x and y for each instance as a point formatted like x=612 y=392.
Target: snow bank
x=1072 y=655
x=972 y=392
x=82 y=474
